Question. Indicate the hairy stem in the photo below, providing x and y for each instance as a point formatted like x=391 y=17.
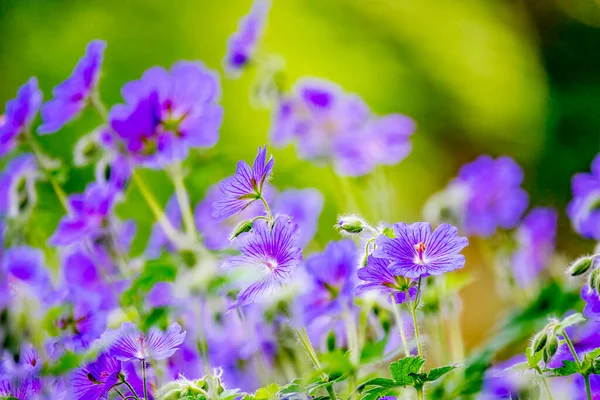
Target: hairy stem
x=396 y=310
x=312 y=354
x=176 y=173
x=144 y=379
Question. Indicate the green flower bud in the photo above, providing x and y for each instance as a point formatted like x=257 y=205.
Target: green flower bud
x=551 y=345
x=539 y=341
x=351 y=224
x=581 y=266
x=242 y=227
x=593 y=277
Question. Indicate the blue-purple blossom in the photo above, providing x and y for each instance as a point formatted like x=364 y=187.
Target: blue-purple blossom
x=17 y=186
x=24 y=264
x=535 y=240
x=167 y=113
x=271 y=254
x=304 y=206
x=245 y=186
x=592 y=303
x=19 y=114
x=583 y=210
x=96 y=379
x=72 y=95
x=492 y=195
x=329 y=125
x=242 y=44
x=416 y=250
x=129 y=343
x=332 y=279
x=87 y=215
x=376 y=276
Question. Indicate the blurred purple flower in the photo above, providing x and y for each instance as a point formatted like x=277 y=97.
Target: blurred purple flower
x=271 y=253
x=304 y=206
x=592 y=303
x=72 y=95
x=128 y=343
x=87 y=215
x=330 y=125
x=376 y=275
x=19 y=114
x=244 y=187
x=416 y=251
x=584 y=210
x=114 y=172
x=26 y=265
x=333 y=279
x=158 y=239
x=535 y=239
x=494 y=197
x=96 y=379
x=242 y=44
x=161 y=295
x=168 y=113
x=17 y=186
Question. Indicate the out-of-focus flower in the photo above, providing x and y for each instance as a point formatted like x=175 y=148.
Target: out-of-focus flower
x=17 y=186
x=304 y=206
x=87 y=215
x=502 y=383
x=592 y=303
x=167 y=113
x=584 y=210
x=114 y=172
x=494 y=197
x=270 y=252
x=19 y=114
x=129 y=343
x=333 y=279
x=536 y=239
x=72 y=95
x=24 y=264
x=96 y=379
x=244 y=187
x=377 y=276
x=242 y=44
x=416 y=251
x=158 y=239
x=330 y=125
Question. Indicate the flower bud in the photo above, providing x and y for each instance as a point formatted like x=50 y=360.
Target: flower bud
x=351 y=224
x=593 y=277
x=539 y=341
x=551 y=346
x=242 y=227
x=581 y=266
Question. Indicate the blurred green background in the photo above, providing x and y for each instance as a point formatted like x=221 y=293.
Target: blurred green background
x=500 y=77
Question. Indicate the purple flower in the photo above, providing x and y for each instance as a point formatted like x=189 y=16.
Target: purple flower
x=416 y=251
x=17 y=186
x=113 y=172
x=535 y=238
x=87 y=216
x=19 y=115
x=128 y=343
x=333 y=276
x=270 y=253
x=161 y=295
x=168 y=113
x=583 y=210
x=25 y=264
x=377 y=276
x=243 y=188
x=592 y=303
x=304 y=206
x=71 y=96
x=242 y=44
x=494 y=197
x=96 y=379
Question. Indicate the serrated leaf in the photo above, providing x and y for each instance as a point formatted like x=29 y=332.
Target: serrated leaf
x=375 y=393
x=267 y=393
x=568 y=368
x=437 y=373
x=379 y=382
x=572 y=319
x=402 y=369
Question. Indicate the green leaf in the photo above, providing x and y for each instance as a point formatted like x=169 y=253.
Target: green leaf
x=571 y=320
x=68 y=361
x=533 y=359
x=267 y=393
x=402 y=369
x=568 y=368
x=375 y=393
x=154 y=271
x=373 y=351
x=379 y=382
x=437 y=373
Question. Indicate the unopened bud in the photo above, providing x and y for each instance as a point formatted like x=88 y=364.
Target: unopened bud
x=551 y=346
x=593 y=277
x=539 y=341
x=351 y=224
x=242 y=227
x=581 y=266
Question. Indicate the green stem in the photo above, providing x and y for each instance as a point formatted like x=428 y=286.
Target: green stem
x=331 y=392
x=413 y=311
x=545 y=382
x=98 y=105
x=588 y=389
x=396 y=310
x=176 y=173
x=130 y=389
x=267 y=208
x=419 y=392
x=312 y=354
x=119 y=393
x=144 y=379
x=586 y=378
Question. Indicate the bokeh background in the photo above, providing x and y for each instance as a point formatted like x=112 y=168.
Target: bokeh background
x=520 y=78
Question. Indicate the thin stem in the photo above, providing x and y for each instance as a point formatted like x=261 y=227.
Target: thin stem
x=571 y=347
x=177 y=177
x=331 y=392
x=267 y=208
x=98 y=105
x=312 y=354
x=130 y=389
x=545 y=382
x=588 y=389
x=417 y=335
x=119 y=393
x=144 y=379
x=396 y=310
x=419 y=393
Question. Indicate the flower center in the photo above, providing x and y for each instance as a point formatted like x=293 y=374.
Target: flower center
x=271 y=264
x=420 y=249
